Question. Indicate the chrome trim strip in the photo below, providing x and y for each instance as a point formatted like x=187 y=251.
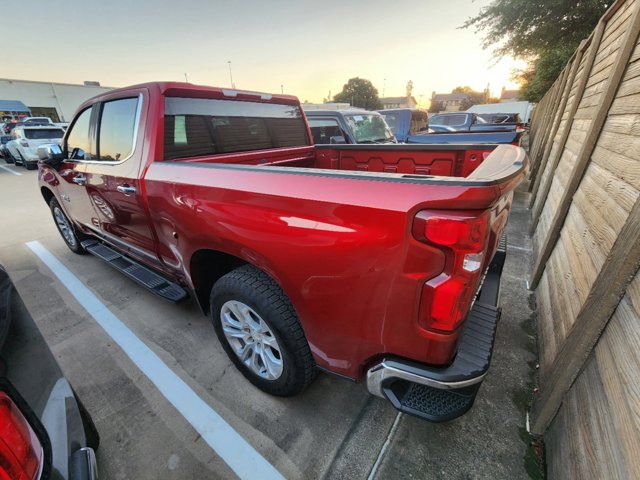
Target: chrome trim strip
x=382 y=371
x=89 y=456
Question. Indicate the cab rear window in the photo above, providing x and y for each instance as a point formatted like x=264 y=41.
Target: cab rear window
x=43 y=133
x=198 y=127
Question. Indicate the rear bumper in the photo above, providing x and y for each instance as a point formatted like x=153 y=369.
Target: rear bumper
x=441 y=394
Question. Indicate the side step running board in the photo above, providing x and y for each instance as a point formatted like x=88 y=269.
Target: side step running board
x=136 y=272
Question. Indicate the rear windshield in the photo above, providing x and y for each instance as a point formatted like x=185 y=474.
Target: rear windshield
x=450 y=120
x=197 y=127
x=43 y=133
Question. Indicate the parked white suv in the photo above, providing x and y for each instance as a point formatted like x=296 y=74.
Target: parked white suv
x=27 y=138
x=37 y=120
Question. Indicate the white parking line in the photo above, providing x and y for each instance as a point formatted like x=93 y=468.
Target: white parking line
x=10 y=170
x=241 y=457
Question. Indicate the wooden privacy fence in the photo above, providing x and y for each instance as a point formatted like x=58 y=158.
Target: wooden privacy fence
x=585 y=225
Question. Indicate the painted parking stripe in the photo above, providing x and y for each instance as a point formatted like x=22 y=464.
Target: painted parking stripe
x=10 y=170
x=241 y=457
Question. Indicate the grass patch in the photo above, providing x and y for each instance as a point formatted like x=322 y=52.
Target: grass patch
x=522 y=397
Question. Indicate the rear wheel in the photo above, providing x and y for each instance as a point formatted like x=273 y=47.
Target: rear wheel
x=65 y=227
x=260 y=331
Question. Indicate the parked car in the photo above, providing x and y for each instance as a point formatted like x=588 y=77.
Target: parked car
x=27 y=138
x=409 y=126
x=406 y=121
x=377 y=262
x=469 y=122
x=348 y=126
x=524 y=109
x=36 y=120
x=4 y=139
x=502 y=118
x=8 y=127
x=45 y=431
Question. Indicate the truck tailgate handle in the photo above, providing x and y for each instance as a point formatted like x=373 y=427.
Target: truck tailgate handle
x=126 y=189
x=79 y=180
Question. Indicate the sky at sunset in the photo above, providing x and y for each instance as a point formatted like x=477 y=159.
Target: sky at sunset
x=310 y=48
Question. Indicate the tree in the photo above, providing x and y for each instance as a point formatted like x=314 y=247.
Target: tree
x=436 y=106
x=359 y=92
x=538 y=77
x=474 y=97
x=543 y=32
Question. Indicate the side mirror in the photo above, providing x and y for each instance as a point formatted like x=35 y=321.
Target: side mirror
x=51 y=153
x=339 y=139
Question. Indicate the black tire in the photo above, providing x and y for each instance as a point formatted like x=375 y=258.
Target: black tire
x=73 y=242
x=264 y=296
x=30 y=166
x=7 y=157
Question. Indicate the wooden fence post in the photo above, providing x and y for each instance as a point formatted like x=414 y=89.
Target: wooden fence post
x=582 y=159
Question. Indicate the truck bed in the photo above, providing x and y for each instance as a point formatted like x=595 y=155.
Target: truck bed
x=476 y=163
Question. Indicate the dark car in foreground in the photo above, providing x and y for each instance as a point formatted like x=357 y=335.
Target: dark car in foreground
x=45 y=431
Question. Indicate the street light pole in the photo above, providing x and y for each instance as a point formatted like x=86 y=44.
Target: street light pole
x=384 y=86
x=185 y=78
x=233 y=85
x=282 y=88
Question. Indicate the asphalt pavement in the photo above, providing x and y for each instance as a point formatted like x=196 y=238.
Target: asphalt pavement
x=157 y=419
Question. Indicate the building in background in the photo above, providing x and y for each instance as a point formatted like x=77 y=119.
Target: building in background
x=448 y=102
x=508 y=96
x=58 y=101
x=398 y=102
x=11 y=109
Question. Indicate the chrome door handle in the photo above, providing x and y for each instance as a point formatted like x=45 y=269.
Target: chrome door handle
x=79 y=180
x=126 y=189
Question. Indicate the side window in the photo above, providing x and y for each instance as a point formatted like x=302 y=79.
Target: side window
x=322 y=129
x=78 y=143
x=117 y=129
x=457 y=120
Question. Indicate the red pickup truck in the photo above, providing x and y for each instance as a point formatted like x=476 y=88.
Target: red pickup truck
x=374 y=262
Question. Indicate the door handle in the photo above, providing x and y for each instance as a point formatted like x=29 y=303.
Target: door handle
x=80 y=180
x=126 y=189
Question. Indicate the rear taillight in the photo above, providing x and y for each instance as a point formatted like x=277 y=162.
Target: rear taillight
x=519 y=129
x=21 y=453
x=446 y=299
x=24 y=143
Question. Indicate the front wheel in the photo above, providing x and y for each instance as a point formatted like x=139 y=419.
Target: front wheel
x=260 y=331
x=65 y=227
